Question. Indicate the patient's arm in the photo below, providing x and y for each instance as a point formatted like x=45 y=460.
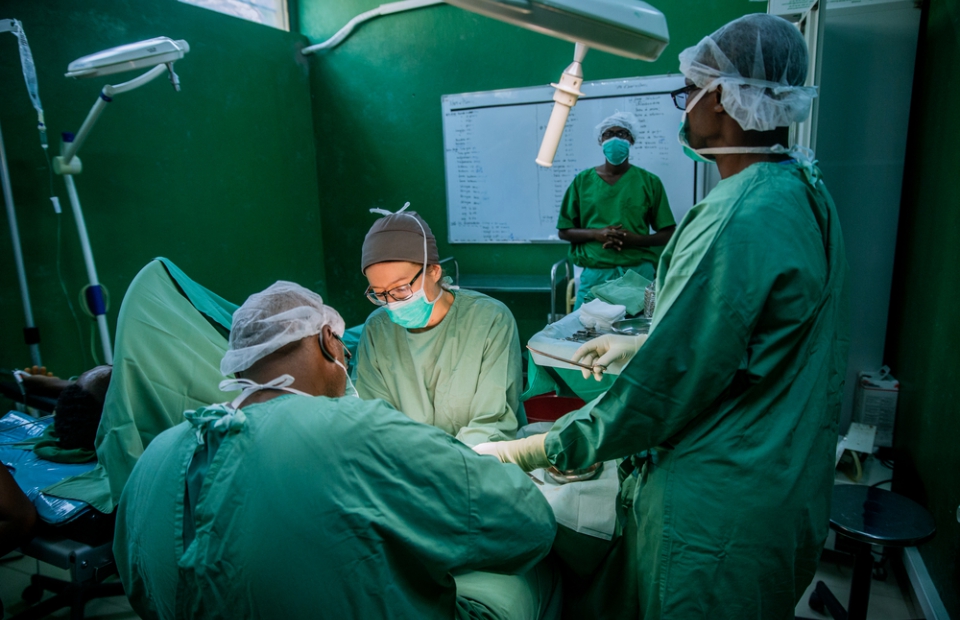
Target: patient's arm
x=17 y=514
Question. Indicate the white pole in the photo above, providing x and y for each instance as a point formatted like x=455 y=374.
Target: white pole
x=18 y=256
x=98 y=310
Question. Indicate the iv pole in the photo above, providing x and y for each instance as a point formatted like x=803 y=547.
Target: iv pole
x=31 y=334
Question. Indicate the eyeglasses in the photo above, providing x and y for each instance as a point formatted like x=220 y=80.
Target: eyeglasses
x=399 y=293
x=680 y=95
x=616 y=133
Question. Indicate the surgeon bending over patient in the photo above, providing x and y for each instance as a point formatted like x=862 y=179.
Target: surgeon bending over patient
x=448 y=358
x=291 y=502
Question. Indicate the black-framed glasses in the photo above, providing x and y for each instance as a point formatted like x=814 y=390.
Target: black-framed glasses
x=399 y=293
x=616 y=133
x=346 y=351
x=681 y=95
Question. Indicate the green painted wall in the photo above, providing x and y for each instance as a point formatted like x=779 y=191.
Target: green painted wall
x=220 y=177
x=924 y=327
x=378 y=124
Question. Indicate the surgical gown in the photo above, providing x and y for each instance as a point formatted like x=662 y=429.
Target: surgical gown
x=736 y=396
x=316 y=507
x=462 y=376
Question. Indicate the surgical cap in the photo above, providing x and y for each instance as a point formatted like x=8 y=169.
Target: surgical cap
x=619 y=119
x=398 y=237
x=283 y=313
x=760 y=61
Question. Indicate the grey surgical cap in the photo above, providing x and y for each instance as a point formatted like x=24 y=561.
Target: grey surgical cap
x=399 y=237
x=619 y=119
x=761 y=62
x=283 y=313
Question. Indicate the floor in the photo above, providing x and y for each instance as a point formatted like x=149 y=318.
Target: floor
x=15 y=576
x=888 y=601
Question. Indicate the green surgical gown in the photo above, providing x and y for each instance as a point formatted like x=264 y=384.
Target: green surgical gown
x=317 y=507
x=637 y=201
x=462 y=376
x=736 y=394
x=171 y=335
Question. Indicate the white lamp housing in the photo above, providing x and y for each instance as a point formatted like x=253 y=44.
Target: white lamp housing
x=149 y=53
x=629 y=28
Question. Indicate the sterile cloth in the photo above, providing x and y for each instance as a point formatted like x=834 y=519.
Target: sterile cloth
x=588 y=507
x=626 y=290
x=600 y=314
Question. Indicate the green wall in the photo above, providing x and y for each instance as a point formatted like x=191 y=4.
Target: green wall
x=220 y=177
x=378 y=123
x=924 y=327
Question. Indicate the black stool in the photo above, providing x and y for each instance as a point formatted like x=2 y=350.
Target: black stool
x=870 y=516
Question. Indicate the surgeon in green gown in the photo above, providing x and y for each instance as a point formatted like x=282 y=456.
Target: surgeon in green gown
x=292 y=502
x=730 y=408
x=448 y=358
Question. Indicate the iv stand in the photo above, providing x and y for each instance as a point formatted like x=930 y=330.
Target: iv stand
x=68 y=164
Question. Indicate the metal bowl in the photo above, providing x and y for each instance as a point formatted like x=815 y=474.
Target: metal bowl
x=639 y=325
x=575 y=475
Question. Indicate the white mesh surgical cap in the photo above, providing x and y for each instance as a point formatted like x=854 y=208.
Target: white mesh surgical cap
x=619 y=119
x=760 y=61
x=283 y=313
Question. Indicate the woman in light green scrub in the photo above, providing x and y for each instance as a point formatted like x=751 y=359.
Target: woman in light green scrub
x=447 y=358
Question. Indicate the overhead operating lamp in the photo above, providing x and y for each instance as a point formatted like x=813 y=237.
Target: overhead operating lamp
x=624 y=27
x=159 y=54
x=628 y=28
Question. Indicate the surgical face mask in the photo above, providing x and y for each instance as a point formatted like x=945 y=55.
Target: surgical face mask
x=616 y=150
x=414 y=312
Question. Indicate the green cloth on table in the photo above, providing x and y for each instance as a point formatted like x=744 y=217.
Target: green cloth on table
x=637 y=201
x=591 y=278
x=47 y=446
x=166 y=360
x=627 y=290
x=339 y=507
x=462 y=376
x=737 y=394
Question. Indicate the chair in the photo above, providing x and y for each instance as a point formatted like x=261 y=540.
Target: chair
x=88 y=564
x=869 y=516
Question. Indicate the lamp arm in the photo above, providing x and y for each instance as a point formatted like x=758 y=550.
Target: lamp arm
x=108 y=91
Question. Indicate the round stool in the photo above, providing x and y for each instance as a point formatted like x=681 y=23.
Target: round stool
x=870 y=516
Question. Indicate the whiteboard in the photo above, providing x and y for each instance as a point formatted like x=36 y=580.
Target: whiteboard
x=495 y=191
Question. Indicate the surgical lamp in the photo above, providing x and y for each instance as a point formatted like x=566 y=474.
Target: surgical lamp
x=160 y=54
x=629 y=28
x=624 y=27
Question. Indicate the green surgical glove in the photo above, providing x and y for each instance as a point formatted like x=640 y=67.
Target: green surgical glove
x=529 y=453
x=605 y=350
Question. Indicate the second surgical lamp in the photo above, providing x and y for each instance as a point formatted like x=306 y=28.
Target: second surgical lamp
x=160 y=54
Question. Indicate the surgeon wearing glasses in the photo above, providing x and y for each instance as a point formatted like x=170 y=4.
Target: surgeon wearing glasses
x=448 y=358
x=608 y=212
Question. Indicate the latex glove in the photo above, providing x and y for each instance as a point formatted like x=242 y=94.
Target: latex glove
x=605 y=350
x=529 y=453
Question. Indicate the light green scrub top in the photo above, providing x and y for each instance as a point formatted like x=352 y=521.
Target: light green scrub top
x=463 y=376
x=737 y=394
x=637 y=201
x=312 y=506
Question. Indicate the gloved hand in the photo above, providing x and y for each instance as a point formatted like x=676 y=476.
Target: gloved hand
x=607 y=349
x=529 y=453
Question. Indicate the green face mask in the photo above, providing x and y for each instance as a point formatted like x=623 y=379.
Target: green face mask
x=414 y=312
x=616 y=150
x=687 y=150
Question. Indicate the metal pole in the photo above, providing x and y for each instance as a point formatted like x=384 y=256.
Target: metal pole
x=31 y=334
x=95 y=292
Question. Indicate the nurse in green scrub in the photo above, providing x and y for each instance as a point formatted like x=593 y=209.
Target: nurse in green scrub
x=448 y=358
x=608 y=211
